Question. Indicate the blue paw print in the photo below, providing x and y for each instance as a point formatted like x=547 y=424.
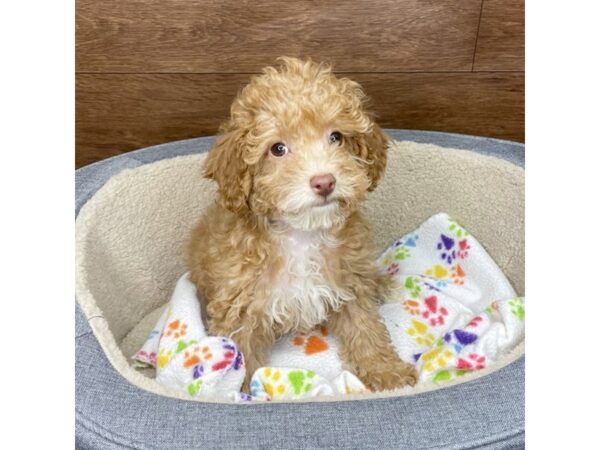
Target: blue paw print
x=198 y=371
x=460 y=339
x=446 y=247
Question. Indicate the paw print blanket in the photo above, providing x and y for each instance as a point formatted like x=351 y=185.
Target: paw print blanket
x=451 y=311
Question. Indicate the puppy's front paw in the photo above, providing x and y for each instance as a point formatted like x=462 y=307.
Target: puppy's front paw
x=388 y=374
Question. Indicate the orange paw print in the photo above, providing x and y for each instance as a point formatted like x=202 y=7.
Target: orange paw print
x=176 y=329
x=313 y=343
x=458 y=275
x=412 y=307
x=195 y=355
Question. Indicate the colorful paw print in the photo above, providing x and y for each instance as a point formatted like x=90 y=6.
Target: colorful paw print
x=147 y=357
x=164 y=356
x=228 y=347
x=475 y=322
x=437 y=276
x=433 y=313
x=459 y=339
x=458 y=275
x=517 y=307
x=275 y=384
x=393 y=269
x=313 y=343
x=230 y=357
x=175 y=329
x=301 y=380
x=409 y=241
x=446 y=248
x=447 y=375
x=436 y=359
x=388 y=259
x=463 y=249
x=401 y=253
x=472 y=362
x=437 y=272
x=194 y=387
x=195 y=355
x=419 y=332
x=456 y=229
x=412 y=307
x=413 y=284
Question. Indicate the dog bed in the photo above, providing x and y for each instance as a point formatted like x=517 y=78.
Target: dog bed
x=128 y=261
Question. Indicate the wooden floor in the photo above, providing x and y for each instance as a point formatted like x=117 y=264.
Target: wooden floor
x=152 y=71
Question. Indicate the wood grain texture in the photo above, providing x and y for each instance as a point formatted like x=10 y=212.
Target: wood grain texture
x=116 y=113
x=501 y=40
x=229 y=36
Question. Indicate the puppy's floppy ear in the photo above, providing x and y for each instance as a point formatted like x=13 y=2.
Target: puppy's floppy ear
x=372 y=148
x=225 y=164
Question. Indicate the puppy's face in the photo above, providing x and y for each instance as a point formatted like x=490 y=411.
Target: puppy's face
x=298 y=148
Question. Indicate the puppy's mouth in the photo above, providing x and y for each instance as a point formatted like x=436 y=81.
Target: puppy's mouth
x=325 y=202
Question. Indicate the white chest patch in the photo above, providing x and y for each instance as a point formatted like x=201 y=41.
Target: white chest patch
x=302 y=296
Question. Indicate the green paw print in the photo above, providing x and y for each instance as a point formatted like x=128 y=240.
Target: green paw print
x=447 y=375
x=194 y=387
x=517 y=307
x=301 y=380
x=413 y=284
x=183 y=344
x=457 y=229
x=402 y=253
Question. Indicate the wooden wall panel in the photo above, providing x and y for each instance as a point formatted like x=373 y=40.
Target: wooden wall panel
x=206 y=36
x=153 y=71
x=116 y=113
x=121 y=112
x=501 y=40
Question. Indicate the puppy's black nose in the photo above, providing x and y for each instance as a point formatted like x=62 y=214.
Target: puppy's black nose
x=323 y=184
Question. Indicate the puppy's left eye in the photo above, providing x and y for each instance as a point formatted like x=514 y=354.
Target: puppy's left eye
x=335 y=137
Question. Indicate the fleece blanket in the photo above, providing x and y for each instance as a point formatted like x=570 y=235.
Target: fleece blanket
x=451 y=311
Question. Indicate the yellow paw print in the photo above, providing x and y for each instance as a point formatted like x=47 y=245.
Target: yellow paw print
x=420 y=334
x=164 y=356
x=437 y=357
x=437 y=271
x=388 y=260
x=274 y=388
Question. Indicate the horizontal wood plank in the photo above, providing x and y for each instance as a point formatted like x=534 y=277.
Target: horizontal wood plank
x=231 y=36
x=501 y=41
x=116 y=113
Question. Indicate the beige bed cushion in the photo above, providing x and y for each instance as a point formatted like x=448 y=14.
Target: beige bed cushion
x=129 y=235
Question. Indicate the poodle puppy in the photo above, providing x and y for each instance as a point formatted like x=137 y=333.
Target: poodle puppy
x=285 y=247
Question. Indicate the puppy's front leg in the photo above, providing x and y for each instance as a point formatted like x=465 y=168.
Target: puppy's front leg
x=254 y=341
x=366 y=347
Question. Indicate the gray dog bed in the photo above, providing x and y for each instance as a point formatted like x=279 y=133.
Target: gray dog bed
x=117 y=407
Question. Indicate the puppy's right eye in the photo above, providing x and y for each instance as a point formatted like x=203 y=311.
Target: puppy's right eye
x=279 y=149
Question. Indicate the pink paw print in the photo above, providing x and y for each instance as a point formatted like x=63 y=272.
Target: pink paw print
x=149 y=357
x=473 y=361
x=393 y=269
x=433 y=313
x=463 y=249
x=475 y=321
